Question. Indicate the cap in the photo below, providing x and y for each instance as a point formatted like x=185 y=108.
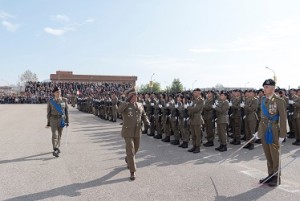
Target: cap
x=269 y=82
x=55 y=89
x=130 y=91
x=225 y=93
x=197 y=89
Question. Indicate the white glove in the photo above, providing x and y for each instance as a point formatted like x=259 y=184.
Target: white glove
x=214 y=106
x=168 y=105
x=176 y=106
x=230 y=104
x=291 y=102
x=281 y=140
x=255 y=135
x=160 y=106
x=242 y=104
x=185 y=106
x=152 y=104
x=244 y=117
x=144 y=103
x=216 y=102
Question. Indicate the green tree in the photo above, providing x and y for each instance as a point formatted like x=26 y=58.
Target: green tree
x=147 y=88
x=176 y=86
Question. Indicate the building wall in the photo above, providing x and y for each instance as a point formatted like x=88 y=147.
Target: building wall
x=66 y=76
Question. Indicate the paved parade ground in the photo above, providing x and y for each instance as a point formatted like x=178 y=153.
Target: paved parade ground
x=91 y=165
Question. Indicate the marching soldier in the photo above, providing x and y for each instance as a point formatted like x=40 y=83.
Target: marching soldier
x=272 y=130
x=196 y=120
x=222 y=108
x=57 y=116
x=133 y=114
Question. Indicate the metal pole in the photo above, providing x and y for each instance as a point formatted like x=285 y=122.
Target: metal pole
x=274 y=76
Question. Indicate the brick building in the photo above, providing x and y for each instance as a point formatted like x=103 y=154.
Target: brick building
x=68 y=76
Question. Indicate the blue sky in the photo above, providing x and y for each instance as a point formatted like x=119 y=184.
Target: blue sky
x=201 y=42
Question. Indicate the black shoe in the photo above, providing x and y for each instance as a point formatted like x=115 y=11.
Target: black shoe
x=181 y=144
x=151 y=134
x=266 y=180
x=258 y=141
x=273 y=181
x=237 y=142
x=158 y=136
x=218 y=148
x=297 y=143
x=208 y=144
x=247 y=146
x=197 y=150
x=55 y=153
x=144 y=132
x=192 y=149
x=166 y=139
x=175 y=142
x=251 y=147
x=223 y=148
x=291 y=135
x=185 y=145
x=132 y=176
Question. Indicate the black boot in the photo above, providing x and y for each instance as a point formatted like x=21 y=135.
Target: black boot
x=197 y=150
x=297 y=143
x=291 y=135
x=181 y=144
x=151 y=134
x=251 y=146
x=247 y=146
x=258 y=141
x=209 y=144
x=223 y=148
x=192 y=149
x=273 y=181
x=158 y=136
x=218 y=148
x=55 y=153
x=266 y=180
x=185 y=145
x=175 y=142
x=166 y=139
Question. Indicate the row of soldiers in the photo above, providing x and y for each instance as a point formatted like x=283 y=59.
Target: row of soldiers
x=237 y=112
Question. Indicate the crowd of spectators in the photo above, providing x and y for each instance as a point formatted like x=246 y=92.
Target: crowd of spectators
x=40 y=92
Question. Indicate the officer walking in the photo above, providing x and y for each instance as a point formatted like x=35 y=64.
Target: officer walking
x=57 y=115
x=133 y=114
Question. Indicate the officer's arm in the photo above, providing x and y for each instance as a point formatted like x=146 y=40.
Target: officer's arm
x=122 y=107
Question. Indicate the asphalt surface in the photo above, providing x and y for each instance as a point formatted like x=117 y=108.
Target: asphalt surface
x=91 y=165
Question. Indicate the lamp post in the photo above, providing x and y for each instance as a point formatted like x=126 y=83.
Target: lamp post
x=274 y=76
x=193 y=84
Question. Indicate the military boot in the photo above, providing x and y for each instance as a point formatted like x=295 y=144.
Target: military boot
x=159 y=136
x=175 y=142
x=209 y=144
x=223 y=148
x=273 y=181
x=266 y=180
x=192 y=149
x=218 y=148
x=185 y=145
x=166 y=139
x=251 y=146
x=197 y=150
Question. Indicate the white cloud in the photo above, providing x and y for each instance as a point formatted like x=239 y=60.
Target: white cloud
x=58 y=32
x=10 y=26
x=90 y=20
x=4 y=15
x=61 y=18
